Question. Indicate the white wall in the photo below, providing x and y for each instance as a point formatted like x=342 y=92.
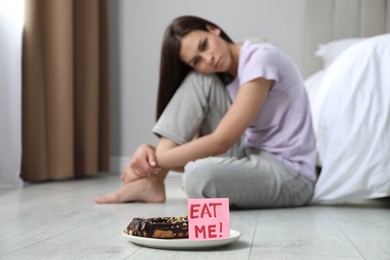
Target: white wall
x=136 y=28
x=11 y=27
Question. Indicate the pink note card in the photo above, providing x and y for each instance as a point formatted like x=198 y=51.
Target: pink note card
x=208 y=219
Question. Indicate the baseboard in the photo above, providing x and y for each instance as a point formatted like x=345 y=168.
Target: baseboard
x=119 y=163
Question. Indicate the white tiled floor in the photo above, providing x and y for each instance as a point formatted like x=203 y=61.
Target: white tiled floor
x=59 y=220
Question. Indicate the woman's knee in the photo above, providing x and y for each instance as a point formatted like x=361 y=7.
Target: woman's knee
x=201 y=84
x=202 y=78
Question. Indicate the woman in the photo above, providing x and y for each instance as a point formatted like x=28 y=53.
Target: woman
x=258 y=150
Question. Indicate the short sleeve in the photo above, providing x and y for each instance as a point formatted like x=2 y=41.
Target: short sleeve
x=260 y=62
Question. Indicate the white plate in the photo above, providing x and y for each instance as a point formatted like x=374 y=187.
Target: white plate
x=183 y=243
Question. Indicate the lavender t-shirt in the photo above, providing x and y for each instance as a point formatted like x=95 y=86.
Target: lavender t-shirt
x=283 y=125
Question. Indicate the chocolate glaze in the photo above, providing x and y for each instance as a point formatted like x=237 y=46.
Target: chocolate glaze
x=160 y=227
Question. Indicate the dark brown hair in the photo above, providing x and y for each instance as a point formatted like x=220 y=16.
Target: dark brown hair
x=172 y=69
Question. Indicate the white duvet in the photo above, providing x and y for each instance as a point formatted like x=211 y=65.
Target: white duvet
x=351 y=116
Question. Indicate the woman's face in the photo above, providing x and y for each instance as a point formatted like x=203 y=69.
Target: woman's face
x=206 y=51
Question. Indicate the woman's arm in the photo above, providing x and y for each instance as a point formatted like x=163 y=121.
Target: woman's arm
x=164 y=145
x=249 y=99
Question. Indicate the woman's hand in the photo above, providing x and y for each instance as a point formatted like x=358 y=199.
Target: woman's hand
x=129 y=175
x=143 y=164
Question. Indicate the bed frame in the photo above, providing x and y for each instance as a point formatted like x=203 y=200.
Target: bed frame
x=329 y=20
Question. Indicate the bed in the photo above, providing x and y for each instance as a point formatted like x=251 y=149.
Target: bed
x=347 y=71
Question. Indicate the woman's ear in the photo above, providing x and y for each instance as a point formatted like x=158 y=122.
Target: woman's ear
x=213 y=29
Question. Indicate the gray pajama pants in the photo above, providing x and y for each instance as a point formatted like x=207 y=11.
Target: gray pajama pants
x=250 y=178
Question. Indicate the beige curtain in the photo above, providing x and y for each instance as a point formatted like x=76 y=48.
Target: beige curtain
x=65 y=104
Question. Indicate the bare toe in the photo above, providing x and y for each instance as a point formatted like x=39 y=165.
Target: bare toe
x=108 y=198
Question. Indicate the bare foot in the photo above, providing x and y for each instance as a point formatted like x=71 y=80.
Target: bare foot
x=150 y=190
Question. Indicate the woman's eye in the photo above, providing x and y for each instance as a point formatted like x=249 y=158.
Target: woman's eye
x=204 y=45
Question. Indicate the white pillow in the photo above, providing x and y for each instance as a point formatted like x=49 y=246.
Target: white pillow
x=313 y=83
x=316 y=96
x=331 y=50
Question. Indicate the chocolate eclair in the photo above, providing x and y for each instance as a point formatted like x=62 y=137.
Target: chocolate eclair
x=160 y=227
